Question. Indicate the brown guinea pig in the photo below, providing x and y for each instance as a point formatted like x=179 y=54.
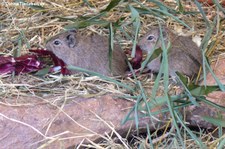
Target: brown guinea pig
x=184 y=55
x=90 y=52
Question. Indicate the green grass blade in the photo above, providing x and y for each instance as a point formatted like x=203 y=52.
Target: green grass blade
x=201 y=90
x=159 y=11
x=125 y=33
x=215 y=121
x=156 y=104
x=111 y=34
x=166 y=83
x=144 y=97
x=111 y=5
x=136 y=114
x=136 y=23
x=70 y=67
x=219 y=6
x=192 y=99
x=148 y=11
x=195 y=138
x=222 y=87
x=204 y=44
x=180 y=7
x=222 y=144
x=149 y=136
x=128 y=116
x=36 y=7
x=83 y=24
x=164 y=61
x=208 y=102
x=156 y=84
x=160 y=5
x=203 y=13
x=142 y=94
x=154 y=54
x=172 y=110
x=87 y=2
x=17 y=52
x=172 y=16
x=165 y=8
x=21 y=38
x=205 y=64
x=30 y=5
x=43 y=72
x=174 y=99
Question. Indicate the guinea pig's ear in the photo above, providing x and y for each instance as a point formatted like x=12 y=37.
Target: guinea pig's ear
x=164 y=33
x=71 y=41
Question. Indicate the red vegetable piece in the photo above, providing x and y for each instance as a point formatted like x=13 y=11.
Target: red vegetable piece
x=136 y=61
x=6 y=68
x=64 y=70
x=24 y=64
x=42 y=52
x=57 y=61
x=27 y=63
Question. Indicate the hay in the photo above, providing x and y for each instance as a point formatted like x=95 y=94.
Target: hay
x=32 y=27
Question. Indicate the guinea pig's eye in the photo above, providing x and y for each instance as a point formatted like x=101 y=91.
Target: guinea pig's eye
x=57 y=42
x=151 y=37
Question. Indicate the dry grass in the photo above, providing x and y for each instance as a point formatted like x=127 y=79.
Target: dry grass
x=36 y=26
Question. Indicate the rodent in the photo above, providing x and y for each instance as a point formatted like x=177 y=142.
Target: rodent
x=90 y=52
x=184 y=55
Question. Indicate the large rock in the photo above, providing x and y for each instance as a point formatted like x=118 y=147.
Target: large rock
x=29 y=127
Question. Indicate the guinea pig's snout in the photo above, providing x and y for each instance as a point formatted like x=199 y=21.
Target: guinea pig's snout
x=48 y=47
x=143 y=48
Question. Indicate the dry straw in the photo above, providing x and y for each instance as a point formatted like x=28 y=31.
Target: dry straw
x=29 y=26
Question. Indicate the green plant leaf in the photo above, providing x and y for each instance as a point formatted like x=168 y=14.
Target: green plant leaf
x=36 y=7
x=160 y=5
x=149 y=136
x=136 y=23
x=215 y=121
x=110 y=55
x=136 y=116
x=182 y=78
x=210 y=103
x=187 y=91
x=219 y=6
x=195 y=138
x=151 y=56
x=162 y=12
x=111 y=5
x=70 y=67
x=30 y=5
x=42 y=72
x=87 y=2
x=127 y=117
x=86 y=23
x=173 y=114
x=202 y=12
x=203 y=90
x=181 y=8
x=17 y=52
x=222 y=144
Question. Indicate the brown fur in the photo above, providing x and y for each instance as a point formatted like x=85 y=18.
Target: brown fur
x=184 y=56
x=88 y=51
